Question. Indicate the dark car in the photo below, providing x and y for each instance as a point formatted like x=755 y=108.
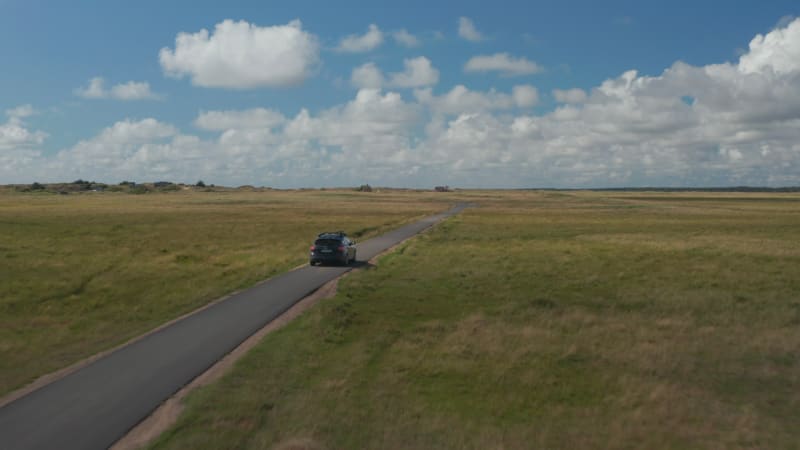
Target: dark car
x=333 y=247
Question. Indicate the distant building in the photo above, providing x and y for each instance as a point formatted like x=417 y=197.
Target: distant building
x=442 y=189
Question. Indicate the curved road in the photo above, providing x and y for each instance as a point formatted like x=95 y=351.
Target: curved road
x=95 y=406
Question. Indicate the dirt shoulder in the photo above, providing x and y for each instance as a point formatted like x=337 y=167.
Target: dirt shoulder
x=169 y=411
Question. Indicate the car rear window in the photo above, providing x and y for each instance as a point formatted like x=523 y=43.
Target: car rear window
x=328 y=242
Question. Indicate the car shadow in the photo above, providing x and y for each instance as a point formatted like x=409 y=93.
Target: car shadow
x=361 y=265
x=353 y=265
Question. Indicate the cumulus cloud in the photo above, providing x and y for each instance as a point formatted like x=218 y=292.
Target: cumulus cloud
x=503 y=63
x=360 y=139
x=574 y=95
x=719 y=124
x=20 y=157
x=467 y=30
x=132 y=90
x=460 y=100
x=127 y=132
x=247 y=119
x=525 y=96
x=418 y=72
x=95 y=89
x=370 y=114
x=778 y=51
x=368 y=138
x=371 y=40
x=735 y=129
x=240 y=55
x=14 y=133
x=405 y=38
x=129 y=149
x=367 y=76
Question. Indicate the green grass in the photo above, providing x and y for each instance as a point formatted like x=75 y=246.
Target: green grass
x=83 y=273
x=540 y=320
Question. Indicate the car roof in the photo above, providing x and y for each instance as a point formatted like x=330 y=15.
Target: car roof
x=332 y=235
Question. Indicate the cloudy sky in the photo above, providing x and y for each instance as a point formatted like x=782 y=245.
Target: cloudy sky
x=412 y=94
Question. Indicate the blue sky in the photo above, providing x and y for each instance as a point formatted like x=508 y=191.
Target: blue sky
x=501 y=128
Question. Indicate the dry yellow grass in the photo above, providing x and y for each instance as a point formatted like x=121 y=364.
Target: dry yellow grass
x=82 y=273
x=541 y=320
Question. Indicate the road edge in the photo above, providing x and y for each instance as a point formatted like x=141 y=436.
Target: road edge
x=168 y=412
x=52 y=377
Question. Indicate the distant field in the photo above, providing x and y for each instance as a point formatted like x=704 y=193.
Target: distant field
x=541 y=320
x=82 y=273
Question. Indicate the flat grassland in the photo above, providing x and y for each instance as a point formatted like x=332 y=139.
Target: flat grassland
x=83 y=273
x=540 y=320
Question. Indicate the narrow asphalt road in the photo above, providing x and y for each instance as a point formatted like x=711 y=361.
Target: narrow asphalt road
x=95 y=406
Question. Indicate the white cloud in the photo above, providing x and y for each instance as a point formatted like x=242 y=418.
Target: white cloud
x=130 y=132
x=235 y=120
x=367 y=76
x=719 y=124
x=20 y=165
x=364 y=43
x=709 y=125
x=574 y=95
x=240 y=55
x=128 y=149
x=467 y=30
x=418 y=72
x=369 y=138
x=461 y=100
x=20 y=157
x=405 y=38
x=370 y=114
x=525 y=96
x=95 y=89
x=132 y=90
x=778 y=50
x=469 y=144
x=364 y=139
x=21 y=111
x=503 y=63
x=14 y=134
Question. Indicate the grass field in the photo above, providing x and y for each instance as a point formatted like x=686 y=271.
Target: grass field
x=540 y=320
x=83 y=273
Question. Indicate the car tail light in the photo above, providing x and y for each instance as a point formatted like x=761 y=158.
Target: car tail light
x=341 y=248
x=313 y=247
